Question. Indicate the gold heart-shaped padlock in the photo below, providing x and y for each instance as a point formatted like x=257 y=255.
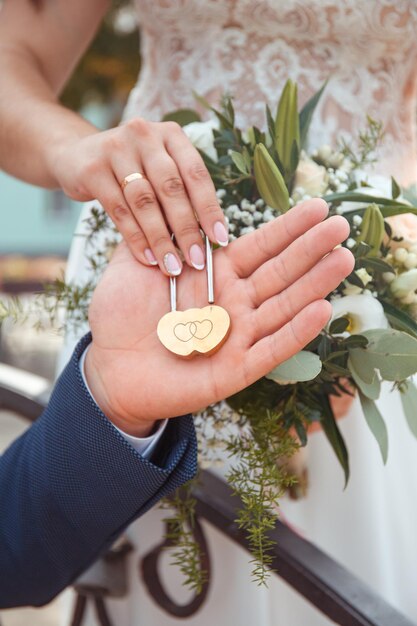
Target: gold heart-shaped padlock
x=195 y=331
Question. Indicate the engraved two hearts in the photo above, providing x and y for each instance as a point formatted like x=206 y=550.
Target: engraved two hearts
x=194 y=331
x=199 y=330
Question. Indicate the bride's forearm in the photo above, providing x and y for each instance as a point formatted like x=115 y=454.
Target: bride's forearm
x=33 y=124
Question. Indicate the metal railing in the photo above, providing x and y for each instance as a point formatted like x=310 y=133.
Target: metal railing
x=323 y=582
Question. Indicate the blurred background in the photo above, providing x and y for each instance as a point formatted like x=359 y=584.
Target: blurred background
x=36 y=227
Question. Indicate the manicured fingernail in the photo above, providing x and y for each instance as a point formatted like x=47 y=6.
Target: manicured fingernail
x=150 y=257
x=172 y=265
x=220 y=233
x=197 y=256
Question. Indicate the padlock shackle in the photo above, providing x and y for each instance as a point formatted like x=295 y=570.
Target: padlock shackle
x=210 y=279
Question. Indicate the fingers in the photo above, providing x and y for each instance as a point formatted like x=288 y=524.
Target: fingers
x=163 y=174
x=315 y=284
x=114 y=203
x=302 y=254
x=281 y=345
x=177 y=195
x=198 y=183
x=141 y=199
x=249 y=252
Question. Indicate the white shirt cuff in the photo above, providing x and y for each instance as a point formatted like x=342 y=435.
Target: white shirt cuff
x=143 y=445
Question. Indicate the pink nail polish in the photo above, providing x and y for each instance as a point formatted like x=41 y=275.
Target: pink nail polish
x=197 y=256
x=150 y=257
x=172 y=265
x=220 y=233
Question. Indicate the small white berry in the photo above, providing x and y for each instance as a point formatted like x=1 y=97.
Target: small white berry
x=388 y=277
x=350 y=243
x=400 y=255
x=411 y=261
x=357 y=220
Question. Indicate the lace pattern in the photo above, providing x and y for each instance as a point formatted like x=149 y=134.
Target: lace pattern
x=249 y=48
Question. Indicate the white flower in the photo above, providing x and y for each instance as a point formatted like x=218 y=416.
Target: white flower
x=201 y=136
x=246 y=218
x=363 y=312
x=311 y=177
x=404 y=284
x=363 y=275
x=324 y=153
x=246 y=230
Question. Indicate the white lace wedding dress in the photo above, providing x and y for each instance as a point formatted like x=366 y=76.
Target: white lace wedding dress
x=249 y=48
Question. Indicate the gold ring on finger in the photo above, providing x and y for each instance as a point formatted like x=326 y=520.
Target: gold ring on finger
x=131 y=178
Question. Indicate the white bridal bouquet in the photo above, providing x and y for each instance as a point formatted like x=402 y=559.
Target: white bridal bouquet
x=371 y=338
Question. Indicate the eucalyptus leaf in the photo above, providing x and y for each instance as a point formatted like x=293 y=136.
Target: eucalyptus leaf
x=269 y=180
x=301 y=367
x=182 y=117
x=399 y=319
x=409 y=402
x=355 y=341
x=376 y=424
x=339 y=326
x=393 y=352
x=363 y=364
x=370 y=390
x=306 y=114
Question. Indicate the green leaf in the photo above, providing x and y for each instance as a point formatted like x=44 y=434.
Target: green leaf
x=370 y=390
x=294 y=157
x=270 y=122
x=299 y=368
x=363 y=364
x=339 y=325
x=334 y=436
x=399 y=319
x=239 y=161
x=395 y=188
x=409 y=402
x=355 y=341
x=269 y=180
x=353 y=196
x=226 y=123
x=376 y=424
x=306 y=114
x=393 y=352
x=182 y=117
x=375 y=264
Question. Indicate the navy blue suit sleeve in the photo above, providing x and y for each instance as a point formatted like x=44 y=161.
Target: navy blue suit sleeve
x=71 y=484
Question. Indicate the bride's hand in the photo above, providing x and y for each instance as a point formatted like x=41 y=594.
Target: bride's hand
x=272 y=283
x=175 y=188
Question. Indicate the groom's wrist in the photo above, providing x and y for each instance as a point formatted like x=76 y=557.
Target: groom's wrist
x=97 y=387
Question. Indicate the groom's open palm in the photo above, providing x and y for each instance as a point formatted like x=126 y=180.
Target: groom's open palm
x=272 y=283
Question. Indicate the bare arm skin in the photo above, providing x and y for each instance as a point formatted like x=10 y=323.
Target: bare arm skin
x=38 y=53
x=45 y=144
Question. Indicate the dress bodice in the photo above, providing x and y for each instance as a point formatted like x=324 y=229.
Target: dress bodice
x=250 y=47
